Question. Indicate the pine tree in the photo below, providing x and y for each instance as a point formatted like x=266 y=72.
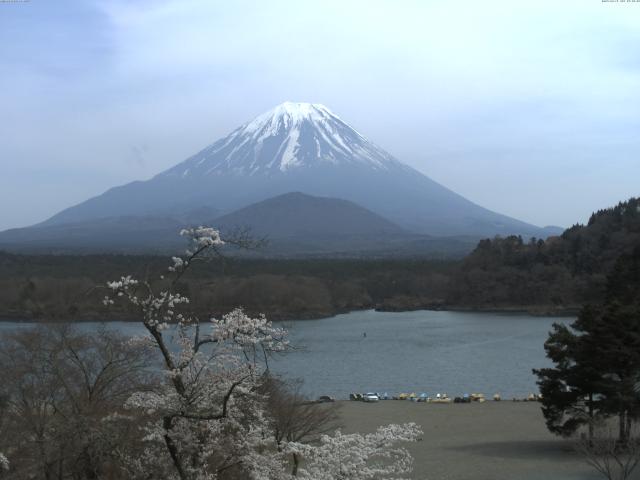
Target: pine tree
x=597 y=359
x=569 y=391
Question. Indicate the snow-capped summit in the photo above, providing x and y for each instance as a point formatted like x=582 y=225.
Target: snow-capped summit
x=292 y=113
x=290 y=136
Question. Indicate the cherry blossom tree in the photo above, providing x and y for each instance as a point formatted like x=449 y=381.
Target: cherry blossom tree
x=4 y=464
x=210 y=419
x=207 y=418
x=357 y=456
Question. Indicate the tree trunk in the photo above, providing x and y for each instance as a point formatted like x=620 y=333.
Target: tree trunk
x=623 y=432
x=173 y=449
x=49 y=473
x=296 y=464
x=590 y=418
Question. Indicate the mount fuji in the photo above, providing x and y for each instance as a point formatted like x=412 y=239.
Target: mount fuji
x=297 y=147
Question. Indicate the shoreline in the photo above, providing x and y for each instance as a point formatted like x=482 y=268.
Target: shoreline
x=534 y=311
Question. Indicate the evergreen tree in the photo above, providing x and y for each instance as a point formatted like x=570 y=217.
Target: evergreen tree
x=616 y=336
x=570 y=389
x=597 y=359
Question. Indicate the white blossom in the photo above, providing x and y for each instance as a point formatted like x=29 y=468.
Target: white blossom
x=203 y=236
x=178 y=264
x=123 y=283
x=356 y=456
x=208 y=407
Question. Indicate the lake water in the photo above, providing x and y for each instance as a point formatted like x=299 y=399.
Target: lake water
x=422 y=351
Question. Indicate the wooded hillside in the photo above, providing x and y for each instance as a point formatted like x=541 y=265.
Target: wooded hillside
x=561 y=272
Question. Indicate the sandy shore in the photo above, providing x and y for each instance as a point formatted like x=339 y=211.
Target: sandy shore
x=480 y=441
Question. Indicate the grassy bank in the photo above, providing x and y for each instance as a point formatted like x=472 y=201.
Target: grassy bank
x=478 y=441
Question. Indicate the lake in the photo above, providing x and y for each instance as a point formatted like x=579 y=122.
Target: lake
x=421 y=351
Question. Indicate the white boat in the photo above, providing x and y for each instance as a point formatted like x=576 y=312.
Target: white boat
x=441 y=398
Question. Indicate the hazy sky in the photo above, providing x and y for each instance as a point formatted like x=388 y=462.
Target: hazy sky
x=530 y=108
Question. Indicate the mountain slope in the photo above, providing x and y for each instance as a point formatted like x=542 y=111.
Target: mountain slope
x=294 y=225
x=303 y=216
x=305 y=148
x=131 y=234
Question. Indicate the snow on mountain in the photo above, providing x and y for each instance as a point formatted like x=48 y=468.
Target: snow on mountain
x=288 y=137
x=300 y=147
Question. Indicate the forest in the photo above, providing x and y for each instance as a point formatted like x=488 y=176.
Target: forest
x=558 y=274
x=552 y=276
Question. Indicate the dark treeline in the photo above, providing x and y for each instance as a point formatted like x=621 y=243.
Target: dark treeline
x=553 y=276
x=560 y=273
x=67 y=287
